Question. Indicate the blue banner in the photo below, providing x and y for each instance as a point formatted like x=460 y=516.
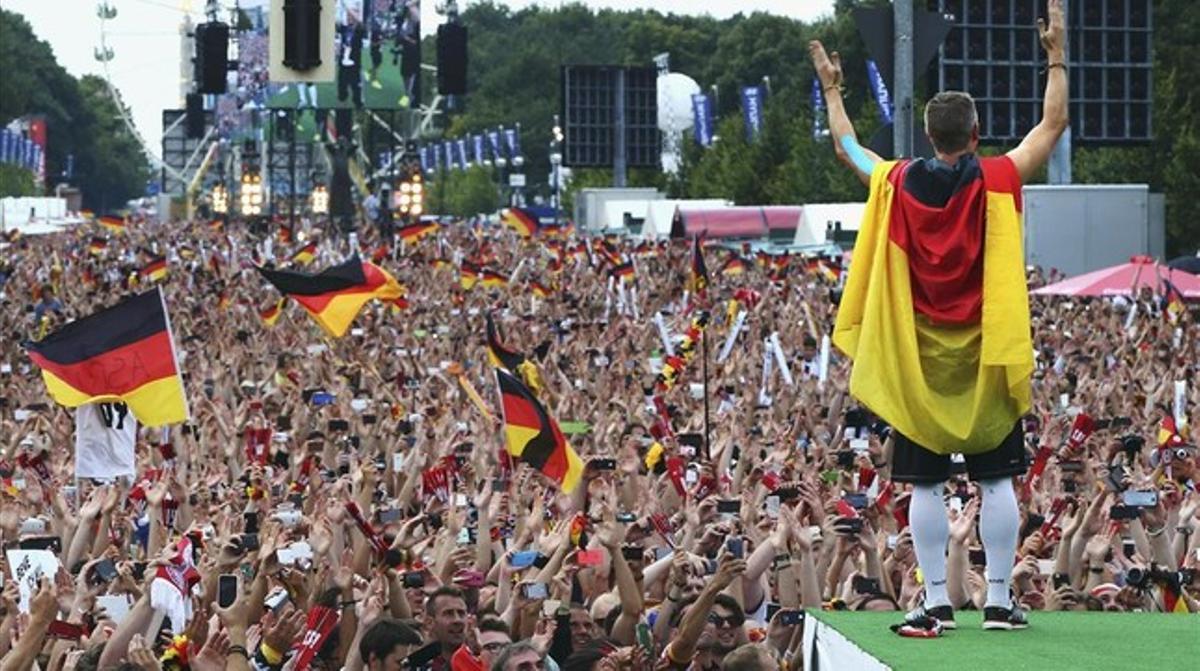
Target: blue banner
x=493 y=137
x=477 y=147
x=879 y=90
x=513 y=139
x=425 y=166
x=752 y=110
x=448 y=153
x=702 y=119
x=818 y=110
x=460 y=146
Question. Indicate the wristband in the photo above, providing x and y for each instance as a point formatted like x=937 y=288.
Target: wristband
x=1155 y=533
x=272 y=656
x=1093 y=569
x=237 y=650
x=832 y=87
x=1051 y=66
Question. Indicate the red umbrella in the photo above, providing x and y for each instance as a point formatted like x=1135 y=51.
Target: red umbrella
x=1141 y=271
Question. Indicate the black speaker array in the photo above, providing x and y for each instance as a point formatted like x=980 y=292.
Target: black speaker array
x=212 y=57
x=302 y=34
x=452 y=59
x=193 y=120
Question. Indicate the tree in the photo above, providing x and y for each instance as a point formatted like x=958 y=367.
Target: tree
x=464 y=193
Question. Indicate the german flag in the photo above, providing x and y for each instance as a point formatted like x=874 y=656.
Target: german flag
x=306 y=254
x=113 y=223
x=935 y=312
x=734 y=266
x=215 y=225
x=155 y=270
x=97 y=245
x=533 y=437
x=540 y=290
x=468 y=274
x=124 y=353
x=1168 y=432
x=415 y=231
x=271 y=315
x=494 y=278
x=441 y=262
x=625 y=272
x=1174 y=308
x=399 y=305
x=521 y=221
x=501 y=356
x=381 y=252
x=699 y=271
x=87 y=215
x=335 y=296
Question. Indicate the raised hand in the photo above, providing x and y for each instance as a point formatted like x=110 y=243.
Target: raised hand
x=1053 y=36
x=828 y=66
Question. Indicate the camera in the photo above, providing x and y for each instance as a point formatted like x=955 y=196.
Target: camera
x=1142 y=578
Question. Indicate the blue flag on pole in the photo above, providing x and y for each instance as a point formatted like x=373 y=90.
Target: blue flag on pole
x=461 y=147
x=514 y=142
x=425 y=167
x=752 y=110
x=702 y=119
x=493 y=137
x=879 y=90
x=818 y=112
x=477 y=147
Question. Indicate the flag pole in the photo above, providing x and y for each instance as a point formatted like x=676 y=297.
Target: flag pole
x=704 y=353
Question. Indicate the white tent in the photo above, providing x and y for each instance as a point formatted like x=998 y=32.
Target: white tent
x=817 y=217
x=612 y=213
x=661 y=213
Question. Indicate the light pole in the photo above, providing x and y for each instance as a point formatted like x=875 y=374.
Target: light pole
x=556 y=166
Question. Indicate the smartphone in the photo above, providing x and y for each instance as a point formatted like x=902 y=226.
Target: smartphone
x=277 y=601
x=105 y=571
x=790 y=494
x=369 y=419
x=845 y=460
x=227 y=590
x=321 y=398
x=1125 y=512
x=66 y=631
x=859 y=445
x=250 y=542
x=729 y=507
x=589 y=558
x=139 y=571
x=1061 y=580
x=523 y=559
x=633 y=553
x=791 y=617
x=250 y=520
x=535 y=590
x=772 y=507
x=857 y=501
x=390 y=515
x=603 y=464
x=414 y=579
x=51 y=543
x=1140 y=499
x=1070 y=466
x=737 y=547
x=864 y=585
x=339 y=425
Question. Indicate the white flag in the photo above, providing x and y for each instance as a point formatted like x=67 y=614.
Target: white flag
x=105 y=434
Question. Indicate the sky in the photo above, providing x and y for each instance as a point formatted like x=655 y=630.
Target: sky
x=145 y=38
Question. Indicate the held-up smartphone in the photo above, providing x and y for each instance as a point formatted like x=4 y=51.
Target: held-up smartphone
x=977 y=557
x=857 y=501
x=390 y=516
x=632 y=553
x=414 y=579
x=339 y=425
x=250 y=542
x=1061 y=580
x=250 y=520
x=737 y=547
x=369 y=419
x=1139 y=499
x=227 y=588
x=65 y=631
x=589 y=558
x=535 y=590
x=729 y=507
x=523 y=559
x=603 y=464
x=626 y=518
x=51 y=543
x=864 y=585
x=791 y=617
x=139 y=571
x=104 y=572
x=790 y=494
x=321 y=398
x=1124 y=512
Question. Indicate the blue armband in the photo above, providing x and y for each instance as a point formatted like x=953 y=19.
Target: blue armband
x=858 y=157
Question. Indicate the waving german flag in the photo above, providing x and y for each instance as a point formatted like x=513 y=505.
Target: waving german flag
x=113 y=223
x=124 y=353
x=533 y=437
x=306 y=254
x=271 y=315
x=625 y=272
x=699 y=271
x=501 y=356
x=935 y=312
x=521 y=221
x=334 y=296
x=97 y=245
x=540 y=290
x=468 y=274
x=494 y=278
x=155 y=270
x=415 y=231
x=734 y=266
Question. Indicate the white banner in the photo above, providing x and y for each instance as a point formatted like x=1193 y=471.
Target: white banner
x=732 y=337
x=27 y=567
x=105 y=434
x=781 y=360
x=663 y=334
x=823 y=370
x=1180 y=404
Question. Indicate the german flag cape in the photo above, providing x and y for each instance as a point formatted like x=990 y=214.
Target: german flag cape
x=335 y=295
x=533 y=437
x=935 y=312
x=124 y=353
x=501 y=356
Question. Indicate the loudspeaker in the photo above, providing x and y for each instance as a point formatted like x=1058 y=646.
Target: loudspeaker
x=193 y=120
x=452 y=59
x=212 y=57
x=302 y=34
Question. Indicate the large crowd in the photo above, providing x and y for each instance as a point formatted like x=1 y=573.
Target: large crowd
x=479 y=562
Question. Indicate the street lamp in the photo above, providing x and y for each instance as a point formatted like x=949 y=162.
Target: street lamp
x=556 y=165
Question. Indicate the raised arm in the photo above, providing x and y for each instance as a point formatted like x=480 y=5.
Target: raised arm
x=845 y=142
x=1034 y=150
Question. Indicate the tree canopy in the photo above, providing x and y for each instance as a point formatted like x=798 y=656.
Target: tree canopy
x=81 y=120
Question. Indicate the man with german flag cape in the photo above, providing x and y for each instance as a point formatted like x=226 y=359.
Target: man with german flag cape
x=335 y=295
x=125 y=353
x=935 y=315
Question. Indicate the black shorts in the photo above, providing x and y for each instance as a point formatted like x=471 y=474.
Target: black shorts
x=913 y=463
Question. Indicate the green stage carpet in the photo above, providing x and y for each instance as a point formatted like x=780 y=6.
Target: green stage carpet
x=1093 y=641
